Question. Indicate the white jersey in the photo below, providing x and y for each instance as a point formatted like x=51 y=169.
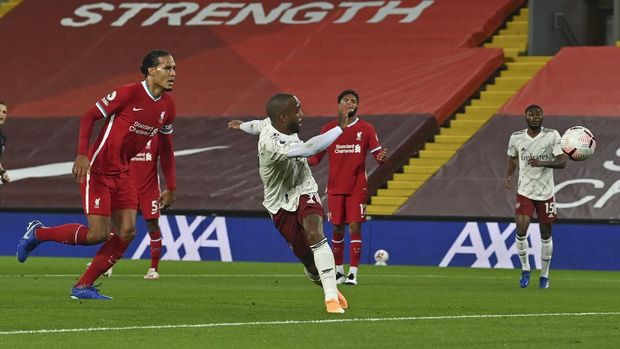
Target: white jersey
x=284 y=179
x=535 y=183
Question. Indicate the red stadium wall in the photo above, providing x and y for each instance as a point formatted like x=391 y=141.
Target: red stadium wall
x=412 y=57
x=577 y=81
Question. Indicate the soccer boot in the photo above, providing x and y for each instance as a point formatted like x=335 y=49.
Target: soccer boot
x=88 y=293
x=28 y=242
x=351 y=279
x=340 y=279
x=525 y=279
x=151 y=274
x=342 y=301
x=333 y=306
x=313 y=277
x=543 y=282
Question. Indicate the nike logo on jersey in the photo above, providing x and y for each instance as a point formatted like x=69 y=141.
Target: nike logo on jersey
x=137 y=109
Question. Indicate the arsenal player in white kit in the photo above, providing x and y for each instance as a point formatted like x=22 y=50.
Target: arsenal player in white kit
x=291 y=192
x=347 y=186
x=133 y=114
x=537 y=152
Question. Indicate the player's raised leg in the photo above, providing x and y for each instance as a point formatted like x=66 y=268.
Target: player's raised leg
x=324 y=260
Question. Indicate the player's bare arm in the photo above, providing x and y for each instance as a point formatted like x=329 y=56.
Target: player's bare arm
x=81 y=166
x=512 y=166
x=166 y=199
x=558 y=162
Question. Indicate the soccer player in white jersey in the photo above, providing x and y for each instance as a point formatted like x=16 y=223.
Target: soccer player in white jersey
x=291 y=193
x=537 y=152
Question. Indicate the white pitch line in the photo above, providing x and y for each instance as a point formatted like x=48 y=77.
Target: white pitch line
x=302 y=322
x=301 y=275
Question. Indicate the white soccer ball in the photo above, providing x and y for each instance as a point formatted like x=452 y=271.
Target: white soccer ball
x=578 y=143
x=381 y=257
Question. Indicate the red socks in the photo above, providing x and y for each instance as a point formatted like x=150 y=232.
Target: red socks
x=155 y=248
x=338 y=248
x=109 y=253
x=70 y=234
x=355 y=249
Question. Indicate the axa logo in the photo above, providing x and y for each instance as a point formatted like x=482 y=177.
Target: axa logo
x=188 y=238
x=487 y=245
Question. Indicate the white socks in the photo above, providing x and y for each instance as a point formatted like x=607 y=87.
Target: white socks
x=324 y=261
x=522 y=251
x=546 y=252
x=353 y=270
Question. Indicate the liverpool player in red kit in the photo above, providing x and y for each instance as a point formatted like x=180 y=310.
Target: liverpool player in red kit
x=133 y=114
x=151 y=200
x=347 y=191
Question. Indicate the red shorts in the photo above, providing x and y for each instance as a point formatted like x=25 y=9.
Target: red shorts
x=545 y=210
x=347 y=208
x=102 y=195
x=148 y=194
x=291 y=224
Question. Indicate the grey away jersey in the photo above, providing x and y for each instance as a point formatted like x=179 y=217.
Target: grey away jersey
x=535 y=183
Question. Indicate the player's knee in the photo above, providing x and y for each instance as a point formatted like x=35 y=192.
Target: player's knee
x=127 y=233
x=96 y=236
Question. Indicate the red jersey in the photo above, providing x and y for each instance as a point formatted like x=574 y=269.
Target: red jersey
x=143 y=167
x=347 y=157
x=132 y=116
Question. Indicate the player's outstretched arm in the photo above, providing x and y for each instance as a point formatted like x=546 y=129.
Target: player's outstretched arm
x=315 y=144
x=252 y=127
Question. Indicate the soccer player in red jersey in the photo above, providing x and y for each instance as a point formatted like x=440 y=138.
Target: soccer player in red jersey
x=133 y=114
x=144 y=175
x=347 y=191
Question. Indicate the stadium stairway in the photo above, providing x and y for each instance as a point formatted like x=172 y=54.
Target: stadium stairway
x=7 y=5
x=517 y=72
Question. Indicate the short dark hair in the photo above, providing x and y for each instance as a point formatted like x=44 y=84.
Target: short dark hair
x=277 y=104
x=3 y=103
x=152 y=60
x=348 y=92
x=533 y=106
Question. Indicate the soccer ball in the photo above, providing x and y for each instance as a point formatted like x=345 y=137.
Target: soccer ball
x=578 y=143
x=381 y=257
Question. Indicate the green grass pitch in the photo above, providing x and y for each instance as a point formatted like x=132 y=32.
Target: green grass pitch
x=273 y=305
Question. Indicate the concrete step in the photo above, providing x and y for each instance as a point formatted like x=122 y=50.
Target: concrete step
x=442 y=146
x=452 y=138
x=380 y=210
x=409 y=185
x=395 y=192
x=388 y=200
